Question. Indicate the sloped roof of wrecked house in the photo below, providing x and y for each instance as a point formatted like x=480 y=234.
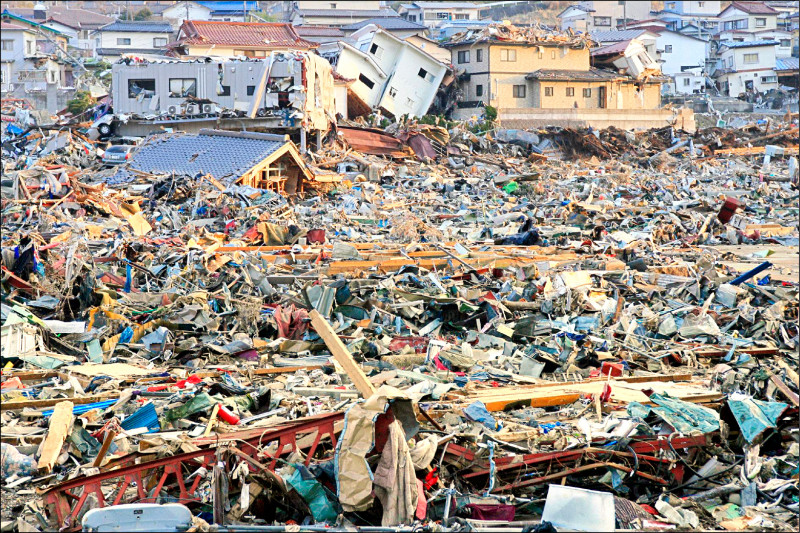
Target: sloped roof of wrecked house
x=249 y=34
x=390 y=23
x=510 y=35
x=226 y=155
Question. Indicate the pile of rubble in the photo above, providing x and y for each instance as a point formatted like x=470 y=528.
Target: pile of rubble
x=549 y=330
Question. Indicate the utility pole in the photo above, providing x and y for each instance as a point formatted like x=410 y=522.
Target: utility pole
x=624 y=15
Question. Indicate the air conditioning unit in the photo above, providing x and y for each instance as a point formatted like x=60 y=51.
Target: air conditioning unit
x=192 y=109
x=208 y=108
x=173 y=110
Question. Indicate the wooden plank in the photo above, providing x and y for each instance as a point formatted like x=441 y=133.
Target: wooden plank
x=39 y=404
x=341 y=354
x=60 y=427
x=104 y=448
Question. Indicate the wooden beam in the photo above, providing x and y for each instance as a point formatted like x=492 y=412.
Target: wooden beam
x=60 y=427
x=39 y=404
x=341 y=354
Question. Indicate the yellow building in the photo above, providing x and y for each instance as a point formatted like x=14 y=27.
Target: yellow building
x=552 y=74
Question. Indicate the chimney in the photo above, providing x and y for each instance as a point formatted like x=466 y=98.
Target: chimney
x=39 y=11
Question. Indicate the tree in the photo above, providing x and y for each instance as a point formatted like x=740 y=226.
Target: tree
x=81 y=102
x=143 y=14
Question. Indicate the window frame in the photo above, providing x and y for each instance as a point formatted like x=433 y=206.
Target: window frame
x=753 y=58
x=132 y=81
x=479 y=55
x=123 y=39
x=667 y=48
x=570 y=91
x=549 y=91
x=587 y=92
x=462 y=57
x=602 y=21
x=369 y=84
x=166 y=41
x=509 y=55
x=519 y=91
x=478 y=90
x=182 y=93
x=761 y=22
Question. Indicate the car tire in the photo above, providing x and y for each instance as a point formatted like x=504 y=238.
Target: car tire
x=104 y=129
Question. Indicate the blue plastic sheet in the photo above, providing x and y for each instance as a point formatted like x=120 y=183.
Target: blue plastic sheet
x=755 y=417
x=477 y=412
x=685 y=417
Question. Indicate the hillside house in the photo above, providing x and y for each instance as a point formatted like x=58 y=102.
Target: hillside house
x=590 y=16
x=205 y=38
x=114 y=40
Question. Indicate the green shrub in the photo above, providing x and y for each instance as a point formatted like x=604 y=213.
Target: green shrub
x=81 y=102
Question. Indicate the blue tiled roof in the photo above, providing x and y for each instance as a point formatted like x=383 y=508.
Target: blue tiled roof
x=226 y=156
x=787 y=63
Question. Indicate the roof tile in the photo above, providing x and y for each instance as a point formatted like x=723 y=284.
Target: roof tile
x=272 y=34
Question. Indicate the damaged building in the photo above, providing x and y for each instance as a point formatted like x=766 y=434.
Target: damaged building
x=535 y=77
x=288 y=91
x=391 y=74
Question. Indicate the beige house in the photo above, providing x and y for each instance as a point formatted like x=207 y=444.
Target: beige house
x=552 y=74
x=337 y=13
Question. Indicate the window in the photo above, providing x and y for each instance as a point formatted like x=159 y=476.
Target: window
x=412 y=18
x=786 y=43
x=7 y=45
x=392 y=92
x=251 y=90
x=670 y=5
x=686 y=82
x=29 y=47
x=376 y=50
x=701 y=4
x=223 y=90
x=479 y=55
x=158 y=42
x=667 y=48
x=740 y=24
x=182 y=87
x=123 y=41
x=425 y=75
x=541 y=54
x=366 y=81
x=441 y=15
x=730 y=62
x=463 y=16
x=750 y=59
x=146 y=88
x=602 y=21
x=508 y=54
x=519 y=91
x=479 y=90
x=548 y=91
x=587 y=93
x=570 y=91
x=761 y=22
x=463 y=57
x=552 y=54
x=769 y=79
x=333 y=6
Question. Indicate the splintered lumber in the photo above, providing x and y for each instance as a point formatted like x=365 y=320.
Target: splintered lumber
x=58 y=431
x=341 y=355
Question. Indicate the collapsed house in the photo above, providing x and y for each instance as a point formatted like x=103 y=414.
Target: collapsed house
x=291 y=92
x=258 y=160
x=391 y=75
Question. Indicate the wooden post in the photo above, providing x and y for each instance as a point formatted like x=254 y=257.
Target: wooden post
x=342 y=356
x=60 y=426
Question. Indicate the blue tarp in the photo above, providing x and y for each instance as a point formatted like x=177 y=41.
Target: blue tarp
x=685 y=417
x=754 y=416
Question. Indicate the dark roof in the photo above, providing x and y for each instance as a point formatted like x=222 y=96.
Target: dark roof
x=251 y=34
x=387 y=23
x=72 y=17
x=753 y=8
x=225 y=155
x=347 y=13
x=615 y=36
x=593 y=74
x=318 y=31
x=123 y=51
x=138 y=26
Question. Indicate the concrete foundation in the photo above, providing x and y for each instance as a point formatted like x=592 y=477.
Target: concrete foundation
x=634 y=119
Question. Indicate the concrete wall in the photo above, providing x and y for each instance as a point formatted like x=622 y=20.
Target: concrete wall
x=139 y=39
x=596 y=118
